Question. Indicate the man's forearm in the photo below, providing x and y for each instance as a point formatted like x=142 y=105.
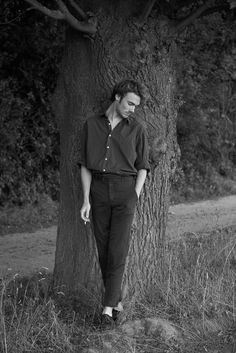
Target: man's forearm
x=141 y=176
x=86 y=178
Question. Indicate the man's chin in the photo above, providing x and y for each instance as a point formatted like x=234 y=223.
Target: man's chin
x=123 y=115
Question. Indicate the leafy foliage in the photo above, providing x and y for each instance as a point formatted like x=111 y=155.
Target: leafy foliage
x=29 y=138
x=207 y=124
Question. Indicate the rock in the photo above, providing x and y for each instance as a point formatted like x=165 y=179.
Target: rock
x=90 y=350
x=107 y=347
x=160 y=327
x=151 y=327
x=133 y=328
x=212 y=326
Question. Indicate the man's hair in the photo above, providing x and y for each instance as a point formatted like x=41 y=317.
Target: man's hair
x=129 y=86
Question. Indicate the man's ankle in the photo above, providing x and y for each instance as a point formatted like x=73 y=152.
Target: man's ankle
x=119 y=307
x=107 y=311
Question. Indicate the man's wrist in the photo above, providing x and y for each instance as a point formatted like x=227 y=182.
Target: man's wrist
x=86 y=199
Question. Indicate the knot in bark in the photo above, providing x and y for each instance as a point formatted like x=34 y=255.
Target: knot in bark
x=157 y=149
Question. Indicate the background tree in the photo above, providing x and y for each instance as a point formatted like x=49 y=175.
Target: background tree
x=122 y=40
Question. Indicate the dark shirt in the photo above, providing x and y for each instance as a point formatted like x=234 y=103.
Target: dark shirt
x=123 y=150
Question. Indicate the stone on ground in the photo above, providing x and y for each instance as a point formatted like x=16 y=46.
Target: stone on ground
x=151 y=327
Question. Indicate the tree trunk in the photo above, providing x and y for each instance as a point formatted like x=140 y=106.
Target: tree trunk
x=121 y=49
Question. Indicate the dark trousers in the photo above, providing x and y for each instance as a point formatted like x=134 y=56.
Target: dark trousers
x=113 y=200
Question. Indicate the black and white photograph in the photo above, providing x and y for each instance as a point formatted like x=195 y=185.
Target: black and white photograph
x=118 y=176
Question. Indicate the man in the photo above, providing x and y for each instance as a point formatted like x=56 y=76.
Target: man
x=114 y=165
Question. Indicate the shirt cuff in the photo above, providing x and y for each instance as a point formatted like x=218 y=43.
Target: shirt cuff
x=143 y=166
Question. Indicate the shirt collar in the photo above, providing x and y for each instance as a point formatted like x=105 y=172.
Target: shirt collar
x=126 y=120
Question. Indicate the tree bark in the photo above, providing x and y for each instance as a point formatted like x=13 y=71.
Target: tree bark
x=90 y=68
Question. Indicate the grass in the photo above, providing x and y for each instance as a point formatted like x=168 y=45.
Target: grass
x=201 y=285
x=198 y=295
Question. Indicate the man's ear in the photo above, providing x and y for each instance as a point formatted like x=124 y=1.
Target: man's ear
x=117 y=97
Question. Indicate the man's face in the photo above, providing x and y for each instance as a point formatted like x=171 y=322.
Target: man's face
x=126 y=105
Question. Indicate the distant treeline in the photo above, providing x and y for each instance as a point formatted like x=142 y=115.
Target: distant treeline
x=31 y=49
x=207 y=118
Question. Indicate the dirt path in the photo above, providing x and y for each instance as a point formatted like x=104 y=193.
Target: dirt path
x=25 y=253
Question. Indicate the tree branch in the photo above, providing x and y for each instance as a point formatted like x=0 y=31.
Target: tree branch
x=56 y=14
x=89 y=27
x=215 y=9
x=193 y=16
x=146 y=11
x=78 y=9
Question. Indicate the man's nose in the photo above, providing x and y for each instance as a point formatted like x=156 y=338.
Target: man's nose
x=132 y=108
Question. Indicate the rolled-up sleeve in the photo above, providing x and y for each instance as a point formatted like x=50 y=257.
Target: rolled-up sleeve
x=142 y=150
x=83 y=145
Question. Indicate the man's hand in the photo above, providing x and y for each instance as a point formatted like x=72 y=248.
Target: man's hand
x=84 y=212
x=137 y=193
x=141 y=176
x=86 y=178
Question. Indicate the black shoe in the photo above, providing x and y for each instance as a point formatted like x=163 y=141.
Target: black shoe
x=107 y=322
x=115 y=314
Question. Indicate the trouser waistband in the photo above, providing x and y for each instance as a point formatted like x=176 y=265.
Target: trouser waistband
x=110 y=176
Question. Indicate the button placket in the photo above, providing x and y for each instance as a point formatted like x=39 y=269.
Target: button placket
x=107 y=146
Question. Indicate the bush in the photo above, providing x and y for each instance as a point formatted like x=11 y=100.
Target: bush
x=29 y=138
x=206 y=124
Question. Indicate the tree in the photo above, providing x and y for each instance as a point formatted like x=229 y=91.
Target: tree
x=105 y=42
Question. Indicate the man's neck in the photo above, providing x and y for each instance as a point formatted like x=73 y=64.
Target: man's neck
x=112 y=114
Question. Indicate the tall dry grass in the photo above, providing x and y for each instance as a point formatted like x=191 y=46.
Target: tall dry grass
x=196 y=293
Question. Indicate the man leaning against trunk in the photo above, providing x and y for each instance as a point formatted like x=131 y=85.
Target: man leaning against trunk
x=114 y=166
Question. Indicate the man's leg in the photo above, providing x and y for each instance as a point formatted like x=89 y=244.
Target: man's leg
x=101 y=214
x=121 y=221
